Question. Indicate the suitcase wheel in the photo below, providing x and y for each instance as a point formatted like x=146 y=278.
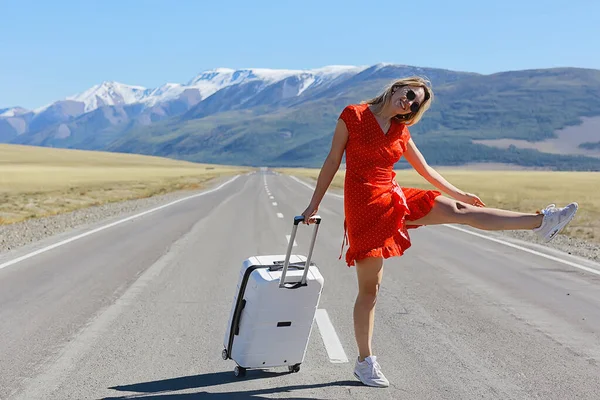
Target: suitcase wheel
x=239 y=371
x=294 y=368
x=224 y=354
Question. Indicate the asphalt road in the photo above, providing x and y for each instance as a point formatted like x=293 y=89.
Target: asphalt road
x=138 y=309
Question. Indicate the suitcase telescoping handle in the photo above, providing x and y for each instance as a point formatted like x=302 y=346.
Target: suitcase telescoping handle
x=286 y=263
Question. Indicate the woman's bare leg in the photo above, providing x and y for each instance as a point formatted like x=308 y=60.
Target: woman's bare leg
x=449 y=211
x=369 y=272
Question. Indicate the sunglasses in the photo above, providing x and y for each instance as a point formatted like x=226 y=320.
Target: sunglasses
x=410 y=96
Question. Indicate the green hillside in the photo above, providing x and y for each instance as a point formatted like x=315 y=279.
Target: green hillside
x=527 y=105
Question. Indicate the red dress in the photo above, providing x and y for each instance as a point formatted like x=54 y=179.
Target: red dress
x=376 y=208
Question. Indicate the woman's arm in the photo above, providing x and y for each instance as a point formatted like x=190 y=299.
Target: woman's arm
x=418 y=162
x=330 y=165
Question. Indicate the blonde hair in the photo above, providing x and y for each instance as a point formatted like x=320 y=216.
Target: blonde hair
x=379 y=102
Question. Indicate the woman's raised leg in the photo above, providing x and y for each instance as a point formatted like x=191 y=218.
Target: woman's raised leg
x=448 y=211
x=547 y=223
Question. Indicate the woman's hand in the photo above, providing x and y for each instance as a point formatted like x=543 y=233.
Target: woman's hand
x=310 y=211
x=416 y=159
x=470 y=198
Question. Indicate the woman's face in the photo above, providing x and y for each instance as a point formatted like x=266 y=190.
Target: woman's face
x=405 y=98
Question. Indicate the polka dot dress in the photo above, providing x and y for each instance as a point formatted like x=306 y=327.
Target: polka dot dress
x=376 y=208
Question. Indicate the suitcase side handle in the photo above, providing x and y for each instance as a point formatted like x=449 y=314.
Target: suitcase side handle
x=286 y=263
x=277 y=265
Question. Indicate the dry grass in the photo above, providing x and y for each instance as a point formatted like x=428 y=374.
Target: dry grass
x=525 y=191
x=36 y=182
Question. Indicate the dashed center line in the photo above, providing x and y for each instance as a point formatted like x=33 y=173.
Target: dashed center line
x=334 y=348
x=288 y=240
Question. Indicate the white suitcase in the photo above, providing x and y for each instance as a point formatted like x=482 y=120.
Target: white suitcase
x=273 y=309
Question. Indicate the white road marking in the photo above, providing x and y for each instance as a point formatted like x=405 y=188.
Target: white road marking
x=334 y=348
x=74 y=238
x=40 y=385
x=271 y=197
x=279 y=215
x=313 y=188
x=274 y=203
x=288 y=240
x=537 y=253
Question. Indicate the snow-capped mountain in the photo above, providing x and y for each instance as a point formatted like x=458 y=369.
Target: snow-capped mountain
x=105 y=112
x=140 y=105
x=12 y=112
x=276 y=117
x=207 y=83
x=164 y=93
x=110 y=94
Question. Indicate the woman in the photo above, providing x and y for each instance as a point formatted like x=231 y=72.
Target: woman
x=374 y=135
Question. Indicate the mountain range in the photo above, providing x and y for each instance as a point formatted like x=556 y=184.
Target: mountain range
x=274 y=117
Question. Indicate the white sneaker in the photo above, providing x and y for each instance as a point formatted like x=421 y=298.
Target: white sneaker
x=555 y=219
x=369 y=372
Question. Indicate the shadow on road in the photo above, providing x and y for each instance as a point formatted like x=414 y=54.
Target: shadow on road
x=162 y=389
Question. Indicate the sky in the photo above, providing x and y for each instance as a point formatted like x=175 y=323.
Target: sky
x=53 y=49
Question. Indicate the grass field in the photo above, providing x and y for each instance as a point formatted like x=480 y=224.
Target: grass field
x=37 y=181
x=525 y=191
